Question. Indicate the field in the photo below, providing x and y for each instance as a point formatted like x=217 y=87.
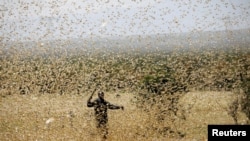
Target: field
x=167 y=95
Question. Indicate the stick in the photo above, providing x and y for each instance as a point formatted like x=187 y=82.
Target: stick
x=92 y=94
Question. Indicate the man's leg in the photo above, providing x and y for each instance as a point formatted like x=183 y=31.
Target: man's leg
x=106 y=131
x=103 y=130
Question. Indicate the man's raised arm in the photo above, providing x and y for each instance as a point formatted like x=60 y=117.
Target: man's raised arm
x=89 y=103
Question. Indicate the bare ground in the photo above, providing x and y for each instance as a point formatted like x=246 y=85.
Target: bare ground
x=66 y=117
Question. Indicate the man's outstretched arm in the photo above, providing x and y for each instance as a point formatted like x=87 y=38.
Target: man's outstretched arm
x=114 y=107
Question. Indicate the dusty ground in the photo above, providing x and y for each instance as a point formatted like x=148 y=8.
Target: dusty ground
x=55 y=117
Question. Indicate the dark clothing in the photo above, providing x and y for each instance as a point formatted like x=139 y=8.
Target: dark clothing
x=101 y=106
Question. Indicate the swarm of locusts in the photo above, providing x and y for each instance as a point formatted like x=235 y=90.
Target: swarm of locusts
x=158 y=79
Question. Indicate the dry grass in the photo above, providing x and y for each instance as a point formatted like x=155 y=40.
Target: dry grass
x=55 y=117
x=47 y=117
x=209 y=107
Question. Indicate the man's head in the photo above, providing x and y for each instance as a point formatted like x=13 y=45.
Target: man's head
x=101 y=95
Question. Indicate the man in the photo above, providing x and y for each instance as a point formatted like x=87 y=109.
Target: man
x=101 y=106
